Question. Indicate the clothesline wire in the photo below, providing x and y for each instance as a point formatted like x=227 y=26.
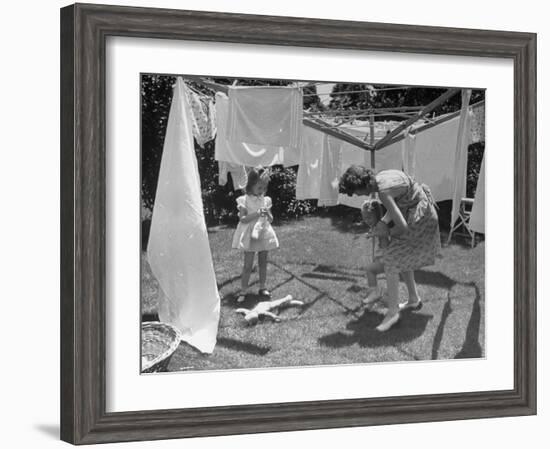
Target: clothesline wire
x=343 y=92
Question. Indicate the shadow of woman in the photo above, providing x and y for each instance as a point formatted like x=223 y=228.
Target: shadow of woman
x=363 y=331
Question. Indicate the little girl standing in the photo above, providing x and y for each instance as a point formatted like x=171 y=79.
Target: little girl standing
x=254 y=233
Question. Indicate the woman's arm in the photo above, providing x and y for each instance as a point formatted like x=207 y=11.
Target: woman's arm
x=400 y=224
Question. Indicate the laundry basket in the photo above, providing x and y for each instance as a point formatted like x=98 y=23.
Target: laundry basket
x=159 y=341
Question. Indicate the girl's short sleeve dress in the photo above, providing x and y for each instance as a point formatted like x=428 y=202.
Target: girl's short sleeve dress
x=421 y=244
x=241 y=238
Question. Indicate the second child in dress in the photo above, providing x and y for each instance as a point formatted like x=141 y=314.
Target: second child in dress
x=254 y=233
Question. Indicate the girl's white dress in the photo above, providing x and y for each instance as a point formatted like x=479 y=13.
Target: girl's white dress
x=242 y=238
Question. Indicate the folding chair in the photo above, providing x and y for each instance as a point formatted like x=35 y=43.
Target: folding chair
x=463 y=221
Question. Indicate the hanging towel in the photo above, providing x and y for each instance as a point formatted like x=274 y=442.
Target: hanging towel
x=435 y=155
x=477 y=218
x=178 y=249
x=408 y=152
x=265 y=115
x=239 y=175
x=203 y=117
x=331 y=162
x=308 y=179
x=240 y=153
x=461 y=155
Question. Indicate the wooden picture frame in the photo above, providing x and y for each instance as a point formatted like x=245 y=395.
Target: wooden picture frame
x=84 y=29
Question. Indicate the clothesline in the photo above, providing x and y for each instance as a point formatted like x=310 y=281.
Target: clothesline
x=343 y=92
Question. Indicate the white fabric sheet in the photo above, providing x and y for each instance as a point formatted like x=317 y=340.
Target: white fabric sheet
x=308 y=179
x=477 y=218
x=408 y=153
x=178 y=249
x=461 y=155
x=247 y=154
x=330 y=171
x=435 y=156
x=265 y=115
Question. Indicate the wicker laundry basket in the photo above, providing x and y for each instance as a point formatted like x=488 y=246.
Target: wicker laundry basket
x=159 y=341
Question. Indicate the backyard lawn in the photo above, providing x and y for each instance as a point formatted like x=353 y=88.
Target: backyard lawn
x=321 y=262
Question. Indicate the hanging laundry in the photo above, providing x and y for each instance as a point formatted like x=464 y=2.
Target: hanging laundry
x=240 y=153
x=239 y=175
x=408 y=152
x=319 y=169
x=477 y=217
x=331 y=164
x=308 y=179
x=461 y=155
x=203 y=117
x=435 y=156
x=178 y=249
x=265 y=115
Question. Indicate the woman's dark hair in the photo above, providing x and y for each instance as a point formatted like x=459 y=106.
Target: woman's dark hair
x=355 y=177
x=256 y=175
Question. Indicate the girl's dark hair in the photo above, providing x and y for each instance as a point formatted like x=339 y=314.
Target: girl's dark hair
x=256 y=175
x=354 y=178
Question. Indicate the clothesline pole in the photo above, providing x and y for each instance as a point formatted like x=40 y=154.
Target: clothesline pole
x=372 y=165
x=437 y=121
x=426 y=110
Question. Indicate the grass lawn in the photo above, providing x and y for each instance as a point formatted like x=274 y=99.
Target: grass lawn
x=321 y=262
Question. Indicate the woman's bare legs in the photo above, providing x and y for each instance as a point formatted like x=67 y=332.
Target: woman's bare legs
x=262 y=266
x=408 y=278
x=392 y=316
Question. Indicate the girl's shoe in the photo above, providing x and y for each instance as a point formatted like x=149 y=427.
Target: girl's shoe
x=411 y=305
x=264 y=292
x=388 y=324
x=241 y=294
x=375 y=294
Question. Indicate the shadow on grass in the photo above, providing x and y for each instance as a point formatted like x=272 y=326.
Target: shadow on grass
x=439 y=332
x=471 y=348
x=435 y=279
x=325 y=277
x=364 y=333
x=242 y=346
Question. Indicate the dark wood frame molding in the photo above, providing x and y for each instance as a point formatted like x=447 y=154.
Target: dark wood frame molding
x=84 y=29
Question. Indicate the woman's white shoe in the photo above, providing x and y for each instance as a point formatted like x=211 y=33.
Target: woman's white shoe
x=411 y=305
x=388 y=324
x=375 y=294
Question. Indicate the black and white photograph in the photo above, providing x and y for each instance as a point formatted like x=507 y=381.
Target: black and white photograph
x=291 y=223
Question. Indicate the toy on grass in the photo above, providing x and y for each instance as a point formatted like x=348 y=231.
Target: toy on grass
x=267 y=309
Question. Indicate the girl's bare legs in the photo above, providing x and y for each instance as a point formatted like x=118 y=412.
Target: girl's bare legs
x=392 y=316
x=247 y=269
x=373 y=270
x=408 y=278
x=262 y=266
x=374 y=292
